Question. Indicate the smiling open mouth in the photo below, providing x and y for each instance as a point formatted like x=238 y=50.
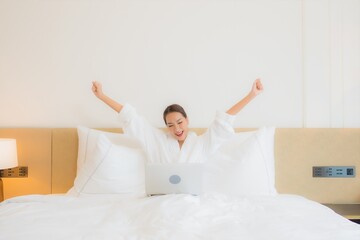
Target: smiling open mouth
x=179 y=134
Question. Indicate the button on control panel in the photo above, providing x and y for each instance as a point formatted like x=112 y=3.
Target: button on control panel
x=334 y=171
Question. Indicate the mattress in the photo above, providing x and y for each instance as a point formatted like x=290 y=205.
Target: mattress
x=173 y=216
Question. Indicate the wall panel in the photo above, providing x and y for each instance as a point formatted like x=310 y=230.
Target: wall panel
x=331 y=63
x=154 y=53
x=317 y=98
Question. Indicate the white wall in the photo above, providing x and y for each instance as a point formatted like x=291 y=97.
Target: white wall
x=203 y=54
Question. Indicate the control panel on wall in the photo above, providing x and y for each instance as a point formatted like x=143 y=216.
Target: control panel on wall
x=334 y=171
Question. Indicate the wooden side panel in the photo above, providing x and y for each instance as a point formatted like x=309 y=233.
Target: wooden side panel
x=298 y=150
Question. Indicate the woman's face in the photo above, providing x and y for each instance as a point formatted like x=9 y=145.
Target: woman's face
x=177 y=125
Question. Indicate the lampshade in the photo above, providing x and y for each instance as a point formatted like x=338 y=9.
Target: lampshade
x=8 y=153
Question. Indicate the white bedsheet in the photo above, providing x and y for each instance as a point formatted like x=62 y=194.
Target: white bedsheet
x=171 y=217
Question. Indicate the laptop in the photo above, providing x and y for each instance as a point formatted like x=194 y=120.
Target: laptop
x=172 y=178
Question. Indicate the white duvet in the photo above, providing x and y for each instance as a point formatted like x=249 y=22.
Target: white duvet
x=171 y=217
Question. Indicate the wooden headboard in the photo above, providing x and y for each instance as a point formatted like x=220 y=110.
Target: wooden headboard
x=51 y=153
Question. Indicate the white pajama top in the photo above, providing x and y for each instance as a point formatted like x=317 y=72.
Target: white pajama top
x=161 y=147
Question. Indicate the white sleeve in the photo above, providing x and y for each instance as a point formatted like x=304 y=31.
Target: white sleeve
x=219 y=131
x=137 y=126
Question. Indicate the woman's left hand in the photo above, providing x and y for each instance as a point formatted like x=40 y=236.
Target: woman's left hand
x=257 y=87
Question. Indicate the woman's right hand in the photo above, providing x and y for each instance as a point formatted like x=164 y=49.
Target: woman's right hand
x=97 y=89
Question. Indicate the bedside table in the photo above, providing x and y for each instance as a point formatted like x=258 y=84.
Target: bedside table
x=349 y=211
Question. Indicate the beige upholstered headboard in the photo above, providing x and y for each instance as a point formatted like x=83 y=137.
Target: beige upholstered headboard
x=51 y=153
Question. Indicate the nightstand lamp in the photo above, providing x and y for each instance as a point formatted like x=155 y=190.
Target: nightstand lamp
x=8 y=158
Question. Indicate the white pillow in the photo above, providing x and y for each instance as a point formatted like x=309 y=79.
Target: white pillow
x=111 y=169
x=88 y=139
x=126 y=156
x=243 y=166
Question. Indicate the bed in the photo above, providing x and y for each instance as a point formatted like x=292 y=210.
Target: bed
x=96 y=196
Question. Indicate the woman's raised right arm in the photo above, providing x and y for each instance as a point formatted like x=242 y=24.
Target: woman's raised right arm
x=97 y=90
